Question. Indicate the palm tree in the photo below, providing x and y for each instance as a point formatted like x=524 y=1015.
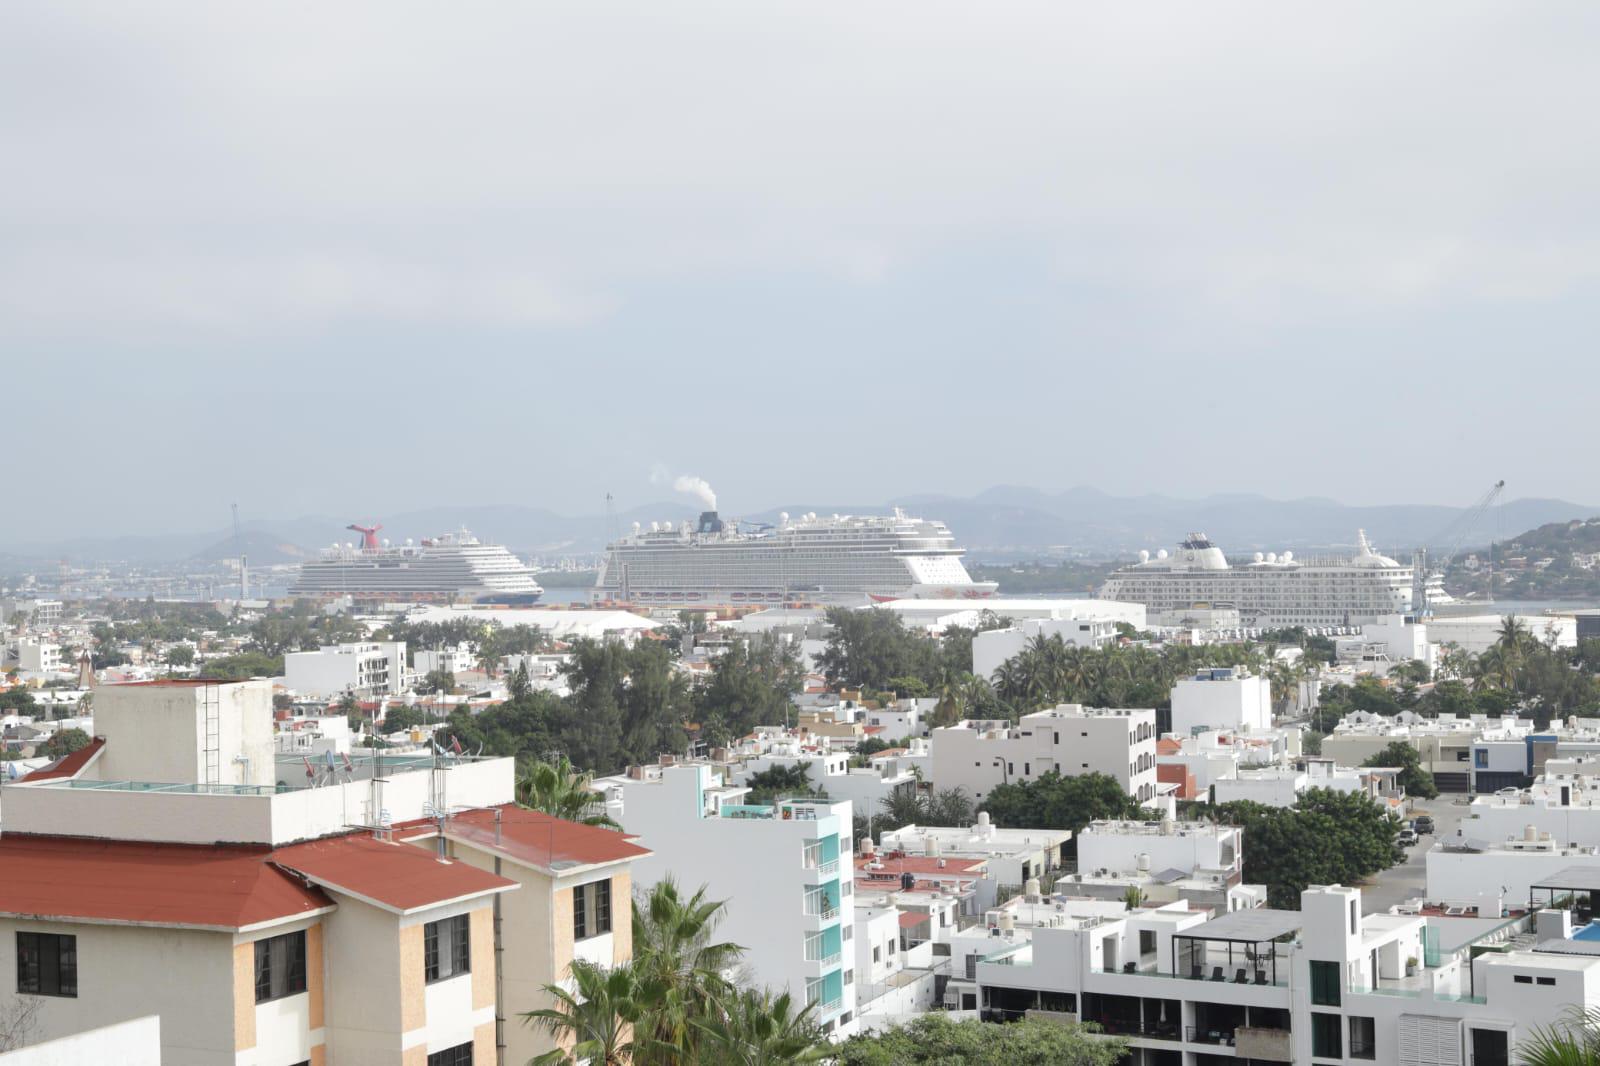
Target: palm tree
x=673 y=950
x=759 y=1030
x=1575 y=1041
x=559 y=790
x=601 y=1016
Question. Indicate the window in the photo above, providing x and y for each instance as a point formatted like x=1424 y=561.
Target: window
x=1523 y=979
x=460 y=1055
x=1147 y=941
x=47 y=964
x=1480 y=758
x=591 y=909
x=1489 y=1047
x=875 y=950
x=1327 y=1036
x=447 y=948
x=1362 y=1039
x=1547 y=980
x=849 y=977
x=280 y=966
x=1355 y=916
x=1325 y=984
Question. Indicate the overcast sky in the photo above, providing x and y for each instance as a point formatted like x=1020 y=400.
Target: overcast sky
x=353 y=258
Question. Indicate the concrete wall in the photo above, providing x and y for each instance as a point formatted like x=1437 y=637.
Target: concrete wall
x=129 y=972
x=157 y=732
x=1227 y=705
x=131 y=1043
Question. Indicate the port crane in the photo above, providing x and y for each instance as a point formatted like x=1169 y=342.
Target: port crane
x=1452 y=538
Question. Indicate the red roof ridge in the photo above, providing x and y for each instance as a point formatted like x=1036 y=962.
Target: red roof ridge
x=69 y=766
x=386 y=873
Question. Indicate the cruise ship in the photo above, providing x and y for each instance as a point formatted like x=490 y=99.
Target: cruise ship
x=838 y=560
x=1270 y=590
x=454 y=568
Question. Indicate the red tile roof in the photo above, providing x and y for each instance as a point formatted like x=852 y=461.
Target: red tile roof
x=921 y=864
x=396 y=876
x=536 y=838
x=213 y=887
x=911 y=919
x=69 y=765
x=1168 y=746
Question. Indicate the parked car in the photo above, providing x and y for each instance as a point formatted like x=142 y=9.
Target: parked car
x=1406 y=838
x=1423 y=825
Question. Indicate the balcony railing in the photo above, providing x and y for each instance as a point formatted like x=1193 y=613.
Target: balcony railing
x=821 y=908
x=1201 y=1034
x=826 y=869
x=829 y=1006
x=831 y=959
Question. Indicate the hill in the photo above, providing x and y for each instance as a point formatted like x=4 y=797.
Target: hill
x=1557 y=560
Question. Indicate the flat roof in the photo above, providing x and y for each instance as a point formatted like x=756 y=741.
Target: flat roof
x=1251 y=926
x=1579 y=877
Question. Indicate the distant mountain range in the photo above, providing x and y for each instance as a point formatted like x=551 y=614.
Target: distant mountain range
x=1000 y=523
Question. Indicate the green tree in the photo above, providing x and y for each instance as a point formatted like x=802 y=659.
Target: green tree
x=180 y=655
x=751 y=684
x=1572 y=1041
x=1327 y=838
x=603 y=1017
x=1414 y=777
x=244 y=665
x=935 y=1040
x=64 y=742
x=557 y=789
x=779 y=781
x=437 y=682
x=867 y=648
x=401 y=717
x=1052 y=801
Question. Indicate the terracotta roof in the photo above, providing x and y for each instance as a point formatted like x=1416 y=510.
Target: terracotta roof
x=69 y=765
x=395 y=876
x=888 y=752
x=214 y=887
x=1168 y=746
x=921 y=864
x=539 y=839
x=911 y=919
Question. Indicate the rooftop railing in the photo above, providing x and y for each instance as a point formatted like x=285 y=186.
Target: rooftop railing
x=176 y=787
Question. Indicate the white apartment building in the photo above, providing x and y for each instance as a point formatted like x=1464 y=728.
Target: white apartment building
x=995 y=646
x=1478 y=633
x=1491 y=876
x=1565 y=806
x=1006 y=857
x=1444 y=744
x=41 y=614
x=34 y=657
x=784 y=870
x=1224 y=699
x=1069 y=739
x=904 y=719
x=454 y=660
x=1386 y=642
x=366 y=669
x=866 y=787
x=1282 y=786
x=1111 y=846
x=1321 y=984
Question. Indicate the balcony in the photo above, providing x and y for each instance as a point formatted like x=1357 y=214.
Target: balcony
x=1264 y=1044
x=830 y=1006
x=816 y=872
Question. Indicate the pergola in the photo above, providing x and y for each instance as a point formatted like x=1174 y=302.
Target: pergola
x=1249 y=943
x=1571 y=880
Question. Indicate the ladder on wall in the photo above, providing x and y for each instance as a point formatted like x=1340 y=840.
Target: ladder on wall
x=211 y=704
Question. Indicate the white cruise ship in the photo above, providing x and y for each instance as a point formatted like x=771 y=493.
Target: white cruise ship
x=1268 y=590
x=841 y=559
x=454 y=568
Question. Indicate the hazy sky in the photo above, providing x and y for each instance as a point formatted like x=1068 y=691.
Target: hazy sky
x=352 y=258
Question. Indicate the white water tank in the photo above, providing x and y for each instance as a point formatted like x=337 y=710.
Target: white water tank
x=1008 y=922
x=1144 y=862
x=930 y=847
x=1530 y=833
x=983 y=819
x=868 y=848
x=1030 y=888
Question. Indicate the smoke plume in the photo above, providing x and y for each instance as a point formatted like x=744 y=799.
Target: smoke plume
x=697 y=487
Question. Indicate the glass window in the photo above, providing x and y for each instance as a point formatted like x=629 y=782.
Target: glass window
x=460 y=1055
x=1327 y=1036
x=1490 y=1047
x=447 y=948
x=591 y=909
x=1325 y=990
x=280 y=966
x=47 y=964
x=1362 y=1039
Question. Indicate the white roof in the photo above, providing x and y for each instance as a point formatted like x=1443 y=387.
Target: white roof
x=556 y=622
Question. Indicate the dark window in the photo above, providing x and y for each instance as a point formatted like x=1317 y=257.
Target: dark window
x=1547 y=980
x=460 y=1055
x=447 y=947
x=1489 y=1047
x=1327 y=1036
x=591 y=909
x=1523 y=979
x=1147 y=941
x=1363 y=1043
x=280 y=966
x=1482 y=758
x=47 y=964
x=1325 y=983
x=1354 y=917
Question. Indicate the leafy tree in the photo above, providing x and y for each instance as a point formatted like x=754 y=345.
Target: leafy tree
x=628 y=704
x=949 y=806
x=775 y=782
x=751 y=684
x=246 y=664
x=1052 y=801
x=1326 y=838
x=17 y=700
x=401 y=717
x=1414 y=777
x=65 y=742
x=180 y=655
x=603 y=1018
x=557 y=789
x=437 y=682
x=936 y=1040
x=867 y=648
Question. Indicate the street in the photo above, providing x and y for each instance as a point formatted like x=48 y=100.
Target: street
x=1409 y=879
